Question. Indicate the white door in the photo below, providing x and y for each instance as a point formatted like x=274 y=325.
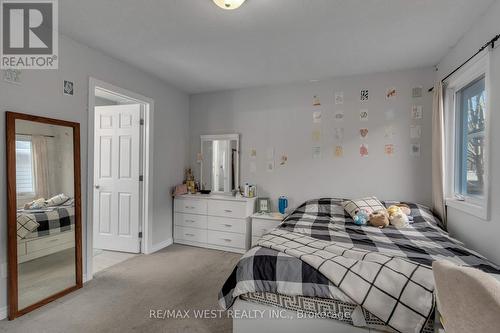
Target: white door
x=116 y=178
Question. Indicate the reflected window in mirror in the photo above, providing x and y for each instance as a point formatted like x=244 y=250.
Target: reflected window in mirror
x=25 y=186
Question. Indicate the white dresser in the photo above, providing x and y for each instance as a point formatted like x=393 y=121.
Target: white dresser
x=213 y=221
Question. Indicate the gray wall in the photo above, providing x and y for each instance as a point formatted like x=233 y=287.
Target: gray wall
x=41 y=94
x=476 y=233
x=281 y=117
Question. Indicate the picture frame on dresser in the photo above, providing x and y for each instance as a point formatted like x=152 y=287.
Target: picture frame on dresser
x=264 y=205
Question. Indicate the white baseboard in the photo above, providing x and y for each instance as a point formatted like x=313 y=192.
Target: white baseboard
x=3 y=313
x=161 y=245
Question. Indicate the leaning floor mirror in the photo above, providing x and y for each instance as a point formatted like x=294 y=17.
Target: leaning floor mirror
x=44 y=210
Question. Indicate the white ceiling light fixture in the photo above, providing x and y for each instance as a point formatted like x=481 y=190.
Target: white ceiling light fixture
x=229 y=4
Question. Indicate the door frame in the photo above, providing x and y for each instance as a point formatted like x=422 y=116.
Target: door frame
x=147 y=167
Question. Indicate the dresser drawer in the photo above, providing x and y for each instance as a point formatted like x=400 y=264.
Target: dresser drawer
x=227 y=224
x=190 y=234
x=50 y=241
x=261 y=226
x=222 y=238
x=190 y=220
x=227 y=208
x=193 y=206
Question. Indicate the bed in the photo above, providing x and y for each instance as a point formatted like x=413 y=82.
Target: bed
x=51 y=231
x=320 y=263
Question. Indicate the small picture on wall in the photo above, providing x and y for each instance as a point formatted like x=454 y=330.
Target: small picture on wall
x=317 y=117
x=363 y=95
x=415 y=150
x=416 y=92
x=389 y=149
x=316 y=136
x=363 y=115
x=363 y=150
x=316 y=101
x=339 y=97
x=253 y=153
x=316 y=153
x=339 y=133
x=338 y=151
x=417 y=112
x=389 y=132
x=415 y=131
x=363 y=133
x=339 y=116
x=68 y=88
x=390 y=93
x=199 y=158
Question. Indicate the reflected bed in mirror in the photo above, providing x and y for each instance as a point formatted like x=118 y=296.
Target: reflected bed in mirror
x=220 y=163
x=44 y=210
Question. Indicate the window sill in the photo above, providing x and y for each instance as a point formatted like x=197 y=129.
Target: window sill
x=468 y=207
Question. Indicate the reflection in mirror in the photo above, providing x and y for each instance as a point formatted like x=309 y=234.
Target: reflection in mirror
x=45 y=210
x=219 y=168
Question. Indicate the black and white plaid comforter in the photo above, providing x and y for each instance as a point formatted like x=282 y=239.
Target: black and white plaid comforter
x=263 y=269
x=52 y=220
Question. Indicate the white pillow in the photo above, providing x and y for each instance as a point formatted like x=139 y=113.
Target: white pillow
x=57 y=200
x=370 y=204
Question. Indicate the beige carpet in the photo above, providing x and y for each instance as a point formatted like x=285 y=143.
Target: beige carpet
x=119 y=299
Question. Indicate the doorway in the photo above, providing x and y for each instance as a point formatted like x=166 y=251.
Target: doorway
x=119 y=152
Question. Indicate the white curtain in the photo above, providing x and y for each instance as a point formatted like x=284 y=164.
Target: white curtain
x=41 y=166
x=438 y=151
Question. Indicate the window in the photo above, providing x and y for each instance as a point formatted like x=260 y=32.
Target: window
x=466 y=117
x=24 y=166
x=470 y=163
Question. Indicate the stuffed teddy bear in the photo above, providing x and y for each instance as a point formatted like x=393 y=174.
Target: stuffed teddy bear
x=397 y=218
x=406 y=210
x=361 y=217
x=379 y=218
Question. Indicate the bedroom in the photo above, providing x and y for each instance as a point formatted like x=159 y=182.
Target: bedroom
x=271 y=106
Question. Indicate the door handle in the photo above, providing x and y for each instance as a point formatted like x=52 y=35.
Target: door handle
x=97 y=187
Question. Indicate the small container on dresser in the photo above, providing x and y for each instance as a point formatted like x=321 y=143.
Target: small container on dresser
x=213 y=221
x=262 y=223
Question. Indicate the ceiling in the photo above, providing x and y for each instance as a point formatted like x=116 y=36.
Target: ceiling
x=198 y=47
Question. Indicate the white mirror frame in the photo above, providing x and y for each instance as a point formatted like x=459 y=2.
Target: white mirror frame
x=231 y=137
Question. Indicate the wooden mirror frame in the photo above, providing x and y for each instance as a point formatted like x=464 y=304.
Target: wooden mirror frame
x=11 y=118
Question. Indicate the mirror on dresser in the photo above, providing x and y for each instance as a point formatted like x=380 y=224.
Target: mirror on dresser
x=220 y=163
x=44 y=226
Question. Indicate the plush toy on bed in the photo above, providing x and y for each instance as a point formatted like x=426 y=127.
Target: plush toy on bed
x=379 y=218
x=397 y=217
x=361 y=217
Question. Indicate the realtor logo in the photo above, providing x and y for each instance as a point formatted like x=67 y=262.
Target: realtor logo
x=29 y=34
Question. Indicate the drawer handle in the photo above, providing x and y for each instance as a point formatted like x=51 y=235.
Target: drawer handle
x=190 y=207
x=190 y=221
x=228 y=225
x=227 y=240
x=191 y=235
x=228 y=210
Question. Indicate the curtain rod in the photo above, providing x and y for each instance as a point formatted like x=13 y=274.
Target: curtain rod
x=491 y=42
